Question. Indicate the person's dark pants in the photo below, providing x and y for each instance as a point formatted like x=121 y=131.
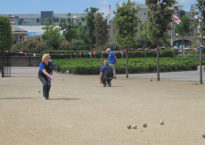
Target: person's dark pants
x=46 y=86
x=107 y=81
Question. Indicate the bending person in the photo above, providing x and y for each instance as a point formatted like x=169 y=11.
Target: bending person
x=45 y=75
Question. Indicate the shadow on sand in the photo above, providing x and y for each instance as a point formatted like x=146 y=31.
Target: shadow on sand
x=117 y=86
x=65 y=99
x=17 y=98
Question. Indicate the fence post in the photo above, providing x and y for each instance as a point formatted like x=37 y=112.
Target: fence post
x=2 y=64
x=29 y=61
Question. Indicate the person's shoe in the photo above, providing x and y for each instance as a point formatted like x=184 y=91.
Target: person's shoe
x=109 y=84
x=104 y=85
x=45 y=98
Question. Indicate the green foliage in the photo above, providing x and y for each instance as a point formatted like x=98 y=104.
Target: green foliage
x=137 y=65
x=52 y=36
x=159 y=18
x=142 y=40
x=89 y=29
x=101 y=31
x=69 y=28
x=182 y=13
x=126 y=24
x=200 y=19
x=5 y=33
x=34 y=46
x=184 y=28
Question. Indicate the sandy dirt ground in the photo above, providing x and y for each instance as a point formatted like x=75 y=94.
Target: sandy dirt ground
x=82 y=112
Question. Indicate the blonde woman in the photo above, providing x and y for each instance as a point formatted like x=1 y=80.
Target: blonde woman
x=45 y=74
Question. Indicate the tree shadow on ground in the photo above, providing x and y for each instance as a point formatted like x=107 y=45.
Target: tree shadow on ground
x=117 y=86
x=65 y=99
x=16 y=98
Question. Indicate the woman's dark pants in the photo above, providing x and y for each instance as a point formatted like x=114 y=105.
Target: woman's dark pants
x=106 y=81
x=46 y=86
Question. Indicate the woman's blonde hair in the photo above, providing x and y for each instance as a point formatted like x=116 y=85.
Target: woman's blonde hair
x=45 y=56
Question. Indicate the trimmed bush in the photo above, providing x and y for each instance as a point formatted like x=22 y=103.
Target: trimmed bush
x=60 y=54
x=136 y=65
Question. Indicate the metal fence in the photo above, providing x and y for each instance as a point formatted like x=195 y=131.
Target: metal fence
x=5 y=65
x=7 y=61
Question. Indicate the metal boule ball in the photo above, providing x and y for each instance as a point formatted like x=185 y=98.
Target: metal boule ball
x=134 y=126
x=161 y=122
x=129 y=126
x=145 y=125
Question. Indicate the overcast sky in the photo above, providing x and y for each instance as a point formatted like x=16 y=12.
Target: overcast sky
x=65 y=6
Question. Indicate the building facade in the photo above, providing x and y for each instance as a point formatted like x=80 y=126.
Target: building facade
x=31 y=25
x=40 y=19
x=175 y=40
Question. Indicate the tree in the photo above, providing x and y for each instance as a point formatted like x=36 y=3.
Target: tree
x=159 y=18
x=89 y=28
x=200 y=26
x=101 y=31
x=52 y=36
x=5 y=33
x=200 y=20
x=142 y=40
x=69 y=28
x=184 y=28
x=90 y=18
x=126 y=24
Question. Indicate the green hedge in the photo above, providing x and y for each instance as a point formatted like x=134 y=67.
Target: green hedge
x=60 y=54
x=136 y=65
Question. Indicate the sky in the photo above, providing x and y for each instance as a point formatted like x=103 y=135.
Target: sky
x=66 y=6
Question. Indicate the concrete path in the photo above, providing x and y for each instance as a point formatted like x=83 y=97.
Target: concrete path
x=184 y=76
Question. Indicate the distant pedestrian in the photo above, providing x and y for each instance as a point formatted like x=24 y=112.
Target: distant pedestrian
x=45 y=75
x=106 y=74
x=112 y=60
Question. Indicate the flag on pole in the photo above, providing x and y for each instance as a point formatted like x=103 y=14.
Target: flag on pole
x=176 y=19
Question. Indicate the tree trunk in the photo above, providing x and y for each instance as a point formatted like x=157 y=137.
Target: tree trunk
x=201 y=59
x=90 y=53
x=127 y=64
x=102 y=57
x=183 y=46
x=145 y=53
x=158 y=64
